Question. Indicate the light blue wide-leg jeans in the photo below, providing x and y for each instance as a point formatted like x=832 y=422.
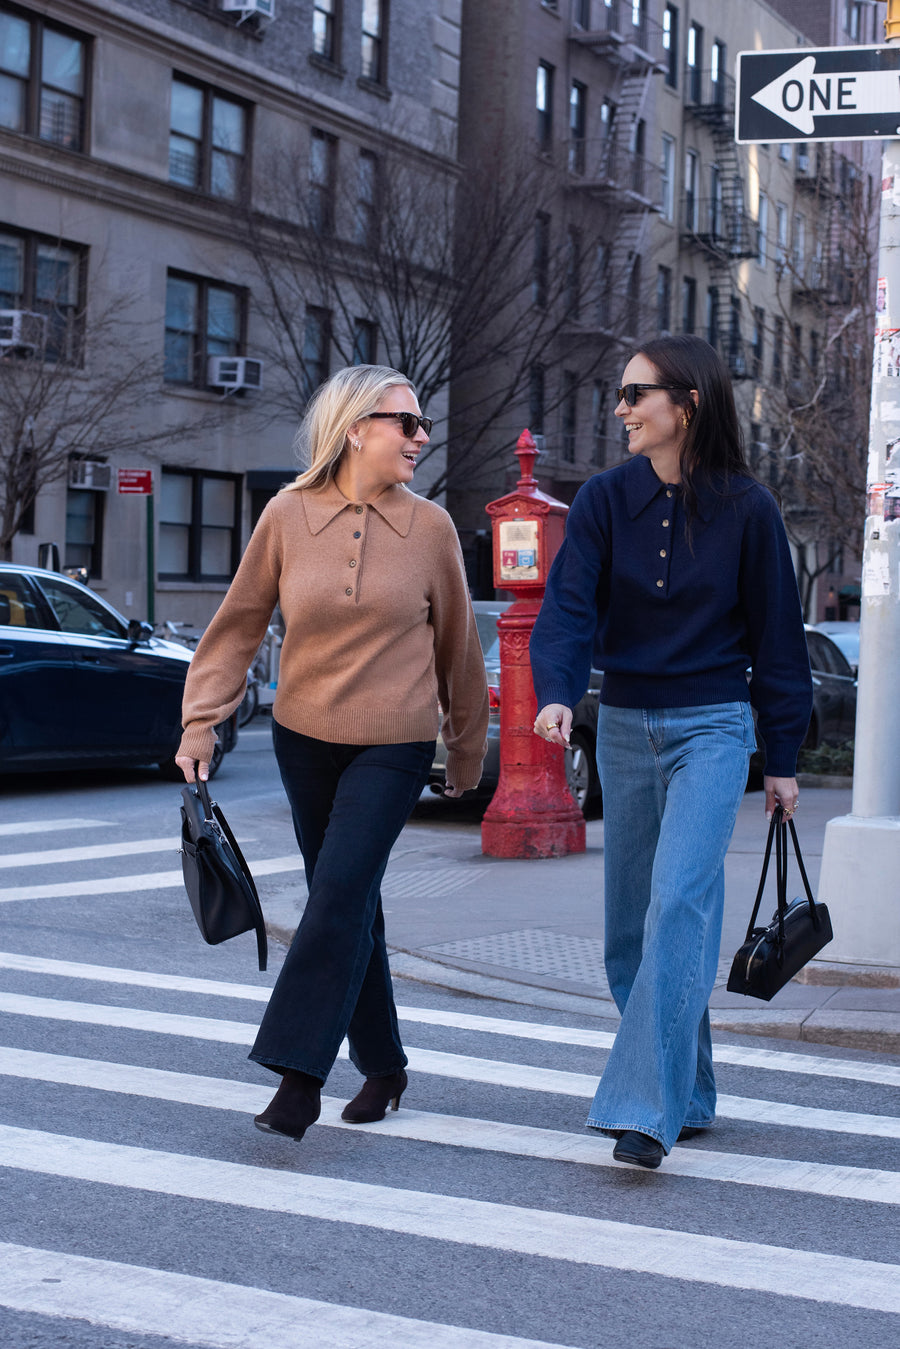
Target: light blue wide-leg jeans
x=672 y=782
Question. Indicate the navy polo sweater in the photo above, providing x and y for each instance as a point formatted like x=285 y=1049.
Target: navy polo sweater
x=672 y=620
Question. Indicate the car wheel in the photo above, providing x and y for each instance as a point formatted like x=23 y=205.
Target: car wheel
x=579 y=770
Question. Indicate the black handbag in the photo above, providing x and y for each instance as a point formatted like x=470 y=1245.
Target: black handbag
x=772 y=955
x=216 y=877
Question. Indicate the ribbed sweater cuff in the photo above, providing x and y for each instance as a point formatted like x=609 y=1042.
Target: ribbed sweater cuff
x=198 y=742
x=463 y=773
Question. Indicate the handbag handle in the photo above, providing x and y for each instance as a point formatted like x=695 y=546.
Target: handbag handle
x=778 y=823
x=203 y=793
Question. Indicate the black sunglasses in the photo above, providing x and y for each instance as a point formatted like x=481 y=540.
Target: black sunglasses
x=409 y=422
x=632 y=392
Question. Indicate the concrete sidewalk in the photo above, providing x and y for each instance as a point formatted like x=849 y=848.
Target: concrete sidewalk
x=531 y=932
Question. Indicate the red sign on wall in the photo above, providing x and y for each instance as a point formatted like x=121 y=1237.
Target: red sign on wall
x=135 y=482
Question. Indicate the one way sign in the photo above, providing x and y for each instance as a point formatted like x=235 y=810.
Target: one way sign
x=829 y=94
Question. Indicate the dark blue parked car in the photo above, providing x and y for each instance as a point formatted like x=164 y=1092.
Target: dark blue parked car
x=81 y=686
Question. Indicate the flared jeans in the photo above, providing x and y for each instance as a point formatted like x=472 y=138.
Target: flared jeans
x=349 y=804
x=672 y=782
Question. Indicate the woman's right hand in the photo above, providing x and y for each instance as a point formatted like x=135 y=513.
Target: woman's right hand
x=186 y=764
x=554 y=724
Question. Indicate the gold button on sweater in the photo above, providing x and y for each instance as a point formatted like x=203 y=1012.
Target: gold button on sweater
x=360 y=665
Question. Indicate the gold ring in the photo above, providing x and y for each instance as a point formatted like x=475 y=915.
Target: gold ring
x=552 y=725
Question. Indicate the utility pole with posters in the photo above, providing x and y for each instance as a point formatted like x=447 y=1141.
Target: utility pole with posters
x=860 y=877
x=853 y=93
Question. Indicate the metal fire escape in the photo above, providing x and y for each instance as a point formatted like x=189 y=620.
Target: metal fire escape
x=717 y=225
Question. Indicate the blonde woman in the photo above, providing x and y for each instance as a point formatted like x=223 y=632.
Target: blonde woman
x=379 y=630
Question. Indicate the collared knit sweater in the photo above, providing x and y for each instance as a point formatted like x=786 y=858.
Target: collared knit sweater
x=675 y=621
x=379 y=629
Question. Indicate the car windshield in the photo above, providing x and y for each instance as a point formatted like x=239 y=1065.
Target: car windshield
x=848 y=643
x=79 y=612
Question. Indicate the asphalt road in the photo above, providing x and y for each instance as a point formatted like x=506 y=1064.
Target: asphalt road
x=140 y=1207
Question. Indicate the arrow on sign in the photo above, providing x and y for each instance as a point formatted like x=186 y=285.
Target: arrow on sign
x=798 y=97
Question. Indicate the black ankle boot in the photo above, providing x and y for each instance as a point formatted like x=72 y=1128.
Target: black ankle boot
x=372 y=1101
x=639 y=1150
x=294 y=1107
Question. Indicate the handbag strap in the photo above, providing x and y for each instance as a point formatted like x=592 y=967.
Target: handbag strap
x=778 y=823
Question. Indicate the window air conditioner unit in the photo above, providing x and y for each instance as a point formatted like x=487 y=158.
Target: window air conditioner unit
x=234 y=372
x=248 y=7
x=20 y=328
x=90 y=474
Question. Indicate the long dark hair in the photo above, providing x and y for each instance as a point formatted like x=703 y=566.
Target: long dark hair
x=713 y=448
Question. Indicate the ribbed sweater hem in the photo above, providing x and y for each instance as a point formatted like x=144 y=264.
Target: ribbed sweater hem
x=348 y=725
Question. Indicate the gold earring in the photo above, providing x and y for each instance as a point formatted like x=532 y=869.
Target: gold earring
x=685 y=420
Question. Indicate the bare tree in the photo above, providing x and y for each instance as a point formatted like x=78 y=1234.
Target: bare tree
x=819 y=408
x=77 y=386
x=456 y=272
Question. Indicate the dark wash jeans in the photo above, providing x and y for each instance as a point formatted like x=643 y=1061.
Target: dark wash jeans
x=349 y=804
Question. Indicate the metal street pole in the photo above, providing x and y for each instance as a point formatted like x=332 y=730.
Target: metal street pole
x=860 y=877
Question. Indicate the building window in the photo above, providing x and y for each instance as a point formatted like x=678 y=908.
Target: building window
x=718 y=67
x=781 y=233
x=582 y=14
x=365 y=342
x=785 y=151
x=322 y=159
x=670 y=45
x=569 y=415
x=573 y=272
x=43 y=80
x=536 y=384
x=203 y=318
x=799 y=246
x=633 y=291
x=762 y=231
x=778 y=351
x=601 y=285
x=759 y=328
x=374 y=40
x=199 y=525
x=541 y=265
x=84 y=530
x=316 y=349
x=688 y=304
x=691 y=202
x=664 y=298
x=577 y=126
x=365 y=225
x=715 y=201
x=712 y=316
x=42 y=277
x=853 y=19
x=667 y=178
x=325 y=29
x=736 y=362
x=797 y=352
x=207 y=140
x=638 y=26
x=544 y=105
x=598 y=423
x=695 y=63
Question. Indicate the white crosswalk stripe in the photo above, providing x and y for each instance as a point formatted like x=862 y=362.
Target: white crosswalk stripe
x=87 y=1153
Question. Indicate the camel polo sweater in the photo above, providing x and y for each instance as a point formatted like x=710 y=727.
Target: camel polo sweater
x=379 y=628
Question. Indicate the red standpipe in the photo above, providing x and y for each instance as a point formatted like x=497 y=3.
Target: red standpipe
x=532 y=813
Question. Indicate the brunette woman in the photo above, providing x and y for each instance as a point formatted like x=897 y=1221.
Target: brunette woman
x=675 y=579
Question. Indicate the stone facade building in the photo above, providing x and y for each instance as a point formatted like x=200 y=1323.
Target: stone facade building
x=145 y=148
x=669 y=225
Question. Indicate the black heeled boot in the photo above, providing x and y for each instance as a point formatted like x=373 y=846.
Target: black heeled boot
x=295 y=1106
x=372 y=1101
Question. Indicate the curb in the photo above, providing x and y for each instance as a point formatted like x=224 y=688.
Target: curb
x=875 y=1032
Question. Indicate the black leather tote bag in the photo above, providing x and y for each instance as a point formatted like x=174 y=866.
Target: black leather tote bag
x=772 y=955
x=216 y=877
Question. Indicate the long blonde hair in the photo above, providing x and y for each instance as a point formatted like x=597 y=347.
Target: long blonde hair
x=348 y=396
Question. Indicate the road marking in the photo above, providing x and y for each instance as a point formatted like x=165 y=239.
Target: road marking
x=50 y=827
x=491 y=1072
x=517 y=1140
x=154 y=880
x=693 y=1257
x=741 y=1055
x=209 y=1312
x=53 y=856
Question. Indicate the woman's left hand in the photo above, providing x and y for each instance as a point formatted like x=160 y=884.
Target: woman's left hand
x=454 y=792
x=783 y=792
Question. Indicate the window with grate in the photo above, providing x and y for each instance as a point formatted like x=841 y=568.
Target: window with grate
x=207 y=140
x=43 y=79
x=203 y=318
